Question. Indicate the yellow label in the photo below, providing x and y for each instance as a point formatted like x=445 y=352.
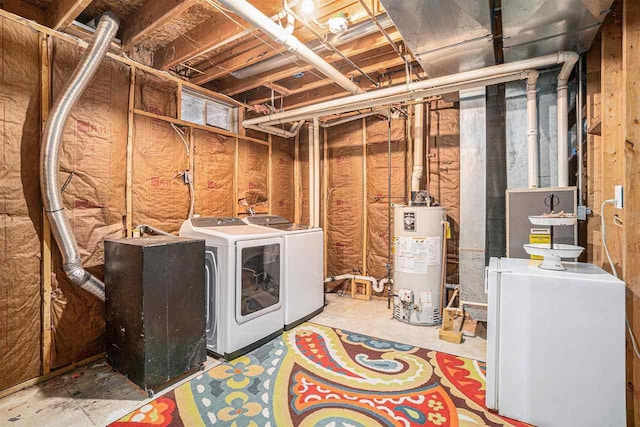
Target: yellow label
x=539 y=238
x=447 y=230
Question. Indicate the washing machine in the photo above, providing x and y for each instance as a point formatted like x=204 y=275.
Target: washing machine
x=303 y=267
x=244 y=281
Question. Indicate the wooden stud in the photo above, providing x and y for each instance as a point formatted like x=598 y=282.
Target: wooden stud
x=130 y=131
x=269 y=177
x=365 y=231
x=179 y=101
x=612 y=127
x=47 y=266
x=325 y=208
x=192 y=164
x=297 y=214
x=197 y=126
x=236 y=167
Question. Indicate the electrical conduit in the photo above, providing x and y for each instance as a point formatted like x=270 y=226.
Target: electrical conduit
x=50 y=155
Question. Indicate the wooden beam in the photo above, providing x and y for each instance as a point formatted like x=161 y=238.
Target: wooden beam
x=233 y=86
x=374 y=64
x=325 y=205
x=197 y=126
x=631 y=38
x=62 y=12
x=612 y=129
x=152 y=15
x=130 y=131
x=47 y=266
x=236 y=168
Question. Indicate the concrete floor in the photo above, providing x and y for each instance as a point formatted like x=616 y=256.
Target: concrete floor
x=95 y=395
x=374 y=319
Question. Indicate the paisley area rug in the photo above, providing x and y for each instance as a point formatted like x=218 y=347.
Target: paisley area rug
x=318 y=376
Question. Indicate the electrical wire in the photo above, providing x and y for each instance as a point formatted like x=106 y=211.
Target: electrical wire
x=603 y=230
x=188 y=177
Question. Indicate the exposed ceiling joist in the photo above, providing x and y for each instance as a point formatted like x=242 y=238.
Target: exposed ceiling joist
x=269 y=48
x=374 y=63
x=211 y=34
x=232 y=86
x=62 y=12
x=153 y=14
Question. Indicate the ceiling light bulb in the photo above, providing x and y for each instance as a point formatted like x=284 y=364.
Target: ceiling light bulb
x=308 y=6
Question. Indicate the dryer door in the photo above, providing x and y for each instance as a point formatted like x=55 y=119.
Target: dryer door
x=211 y=283
x=259 y=266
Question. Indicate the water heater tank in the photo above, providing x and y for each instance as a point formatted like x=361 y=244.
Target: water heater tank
x=418 y=238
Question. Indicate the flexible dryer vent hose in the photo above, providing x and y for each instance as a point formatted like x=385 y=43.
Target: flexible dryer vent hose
x=50 y=155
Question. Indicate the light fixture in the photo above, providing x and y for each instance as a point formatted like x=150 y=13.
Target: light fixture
x=338 y=23
x=308 y=6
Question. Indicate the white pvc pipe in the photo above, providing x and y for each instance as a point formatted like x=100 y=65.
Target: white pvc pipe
x=381 y=284
x=292 y=133
x=563 y=124
x=532 y=129
x=484 y=76
x=418 y=148
x=252 y=15
x=316 y=173
x=427 y=124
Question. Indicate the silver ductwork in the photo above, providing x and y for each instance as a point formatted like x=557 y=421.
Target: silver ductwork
x=50 y=155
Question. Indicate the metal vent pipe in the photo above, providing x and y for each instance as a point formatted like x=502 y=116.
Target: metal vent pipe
x=50 y=155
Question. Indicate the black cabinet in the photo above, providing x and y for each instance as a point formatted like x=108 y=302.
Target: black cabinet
x=155 y=307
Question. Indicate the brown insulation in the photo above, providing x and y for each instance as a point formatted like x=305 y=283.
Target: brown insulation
x=377 y=187
x=214 y=166
x=253 y=170
x=283 y=157
x=160 y=196
x=156 y=95
x=94 y=151
x=444 y=178
x=345 y=196
x=20 y=206
x=122 y=8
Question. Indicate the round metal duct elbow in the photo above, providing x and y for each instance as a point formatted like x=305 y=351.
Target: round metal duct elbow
x=50 y=155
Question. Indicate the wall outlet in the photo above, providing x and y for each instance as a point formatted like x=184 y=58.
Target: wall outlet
x=619 y=196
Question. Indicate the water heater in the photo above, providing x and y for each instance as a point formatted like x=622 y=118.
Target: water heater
x=418 y=239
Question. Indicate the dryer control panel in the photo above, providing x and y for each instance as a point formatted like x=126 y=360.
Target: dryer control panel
x=216 y=221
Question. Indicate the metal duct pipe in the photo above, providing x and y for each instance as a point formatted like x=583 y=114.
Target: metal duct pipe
x=532 y=128
x=252 y=15
x=354 y=33
x=418 y=148
x=484 y=76
x=569 y=59
x=50 y=155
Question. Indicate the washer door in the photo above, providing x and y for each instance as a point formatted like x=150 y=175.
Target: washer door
x=259 y=268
